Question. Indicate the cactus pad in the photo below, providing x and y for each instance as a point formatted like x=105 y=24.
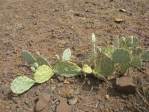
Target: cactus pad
x=28 y=57
x=145 y=56
x=43 y=74
x=137 y=51
x=108 y=51
x=136 y=61
x=123 y=67
x=21 y=84
x=128 y=42
x=67 y=69
x=41 y=60
x=66 y=55
x=121 y=56
x=104 y=65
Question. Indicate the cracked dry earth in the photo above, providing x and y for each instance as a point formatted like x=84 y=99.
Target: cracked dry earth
x=50 y=26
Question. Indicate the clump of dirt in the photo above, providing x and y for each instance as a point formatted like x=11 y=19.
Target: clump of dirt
x=50 y=26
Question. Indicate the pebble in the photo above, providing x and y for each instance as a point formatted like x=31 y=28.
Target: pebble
x=72 y=101
x=119 y=20
x=125 y=85
x=42 y=103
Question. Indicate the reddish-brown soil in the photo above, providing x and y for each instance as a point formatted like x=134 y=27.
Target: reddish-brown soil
x=50 y=26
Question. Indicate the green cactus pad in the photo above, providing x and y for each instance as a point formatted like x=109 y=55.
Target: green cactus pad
x=21 y=84
x=35 y=65
x=122 y=42
x=67 y=69
x=136 y=61
x=43 y=74
x=104 y=65
x=41 y=60
x=28 y=57
x=98 y=75
x=132 y=41
x=121 y=56
x=145 y=56
x=66 y=55
x=108 y=51
x=137 y=51
x=124 y=67
x=128 y=42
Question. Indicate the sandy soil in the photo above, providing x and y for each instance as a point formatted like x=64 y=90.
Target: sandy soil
x=50 y=26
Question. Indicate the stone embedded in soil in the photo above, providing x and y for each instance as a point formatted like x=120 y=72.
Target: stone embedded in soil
x=107 y=97
x=66 y=82
x=118 y=20
x=125 y=85
x=42 y=103
x=122 y=10
x=72 y=101
x=63 y=106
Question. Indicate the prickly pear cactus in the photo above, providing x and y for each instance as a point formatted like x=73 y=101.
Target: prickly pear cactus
x=87 y=69
x=66 y=55
x=33 y=69
x=127 y=42
x=28 y=57
x=21 y=84
x=123 y=68
x=108 y=51
x=104 y=65
x=43 y=74
x=136 y=61
x=67 y=69
x=137 y=51
x=121 y=56
x=132 y=42
x=41 y=60
x=35 y=65
x=122 y=42
x=145 y=56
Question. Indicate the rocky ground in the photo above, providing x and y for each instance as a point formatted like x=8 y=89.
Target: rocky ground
x=50 y=26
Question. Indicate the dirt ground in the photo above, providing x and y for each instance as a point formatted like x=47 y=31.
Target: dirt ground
x=50 y=26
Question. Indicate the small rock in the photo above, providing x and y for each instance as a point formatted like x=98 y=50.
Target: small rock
x=63 y=106
x=107 y=97
x=72 y=101
x=118 y=20
x=66 y=82
x=122 y=10
x=125 y=85
x=111 y=77
x=42 y=103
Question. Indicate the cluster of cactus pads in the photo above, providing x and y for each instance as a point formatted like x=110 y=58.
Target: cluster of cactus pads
x=117 y=58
